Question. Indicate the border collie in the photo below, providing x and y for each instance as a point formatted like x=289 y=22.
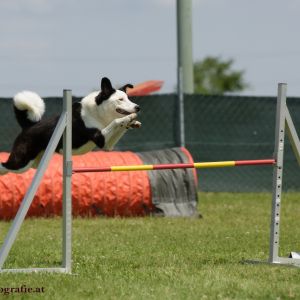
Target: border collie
x=99 y=119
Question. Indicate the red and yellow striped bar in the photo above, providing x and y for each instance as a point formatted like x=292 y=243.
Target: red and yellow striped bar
x=197 y=165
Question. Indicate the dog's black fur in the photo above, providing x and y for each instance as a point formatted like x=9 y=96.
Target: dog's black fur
x=35 y=138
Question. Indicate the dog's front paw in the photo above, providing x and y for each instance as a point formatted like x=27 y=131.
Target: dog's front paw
x=132 y=116
x=135 y=124
x=126 y=121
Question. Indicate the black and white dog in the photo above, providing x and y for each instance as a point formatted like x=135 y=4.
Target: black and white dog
x=99 y=119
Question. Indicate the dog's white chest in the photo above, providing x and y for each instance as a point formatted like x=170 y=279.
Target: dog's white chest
x=89 y=146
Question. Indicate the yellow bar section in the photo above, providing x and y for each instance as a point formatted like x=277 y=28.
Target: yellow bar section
x=218 y=164
x=132 y=168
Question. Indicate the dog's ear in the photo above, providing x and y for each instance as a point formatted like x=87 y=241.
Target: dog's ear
x=126 y=87
x=106 y=90
x=106 y=86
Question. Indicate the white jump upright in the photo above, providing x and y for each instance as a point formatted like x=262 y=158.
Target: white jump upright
x=64 y=127
x=283 y=121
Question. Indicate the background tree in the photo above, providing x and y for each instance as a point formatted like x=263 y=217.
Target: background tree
x=212 y=75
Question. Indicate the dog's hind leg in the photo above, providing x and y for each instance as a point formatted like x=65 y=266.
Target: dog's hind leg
x=16 y=164
x=5 y=170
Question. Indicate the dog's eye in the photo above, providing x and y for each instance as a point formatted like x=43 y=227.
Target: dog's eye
x=121 y=99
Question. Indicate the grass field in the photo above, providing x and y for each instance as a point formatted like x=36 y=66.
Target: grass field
x=163 y=258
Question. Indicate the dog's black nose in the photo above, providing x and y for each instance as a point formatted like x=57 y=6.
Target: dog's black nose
x=137 y=108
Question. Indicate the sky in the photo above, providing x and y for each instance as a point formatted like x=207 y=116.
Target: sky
x=49 y=45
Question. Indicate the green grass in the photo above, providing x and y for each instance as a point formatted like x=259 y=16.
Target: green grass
x=164 y=258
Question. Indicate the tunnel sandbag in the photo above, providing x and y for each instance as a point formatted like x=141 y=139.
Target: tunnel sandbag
x=173 y=192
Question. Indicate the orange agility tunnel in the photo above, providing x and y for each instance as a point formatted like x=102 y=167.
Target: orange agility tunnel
x=140 y=193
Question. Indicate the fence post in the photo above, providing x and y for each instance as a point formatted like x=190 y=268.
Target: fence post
x=180 y=111
x=185 y=72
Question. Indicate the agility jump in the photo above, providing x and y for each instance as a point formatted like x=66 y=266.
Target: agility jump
x=64 y=127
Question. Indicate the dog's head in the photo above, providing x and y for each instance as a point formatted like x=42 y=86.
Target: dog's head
x=115 y=103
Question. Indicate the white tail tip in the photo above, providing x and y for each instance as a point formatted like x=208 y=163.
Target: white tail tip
x=31 y=102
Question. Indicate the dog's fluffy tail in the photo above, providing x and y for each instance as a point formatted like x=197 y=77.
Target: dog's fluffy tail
x=29 y=108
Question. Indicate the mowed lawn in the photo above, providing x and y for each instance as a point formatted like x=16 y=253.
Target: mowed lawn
x=163 y=258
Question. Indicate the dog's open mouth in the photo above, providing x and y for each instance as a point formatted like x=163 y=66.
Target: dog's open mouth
x=122 y=111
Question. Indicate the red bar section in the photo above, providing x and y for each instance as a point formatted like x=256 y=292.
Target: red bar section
x=255 y=162
x=89 y=170
x=172 y=166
